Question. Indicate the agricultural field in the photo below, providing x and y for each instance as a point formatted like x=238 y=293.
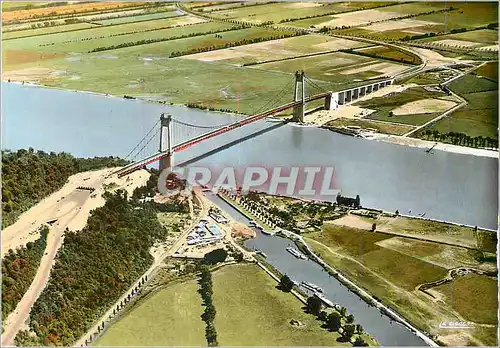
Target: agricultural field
x=337 y=67
x=389 y=54
x=169 y=317
x=277 y=49
x=251 y=311
x=473 y=296
x=278 y=12
x=413 y=106
x=489 y=70
x=369 y=16
x=480 y=116
x=475 y=38
x=11 y=16
x=391 y=267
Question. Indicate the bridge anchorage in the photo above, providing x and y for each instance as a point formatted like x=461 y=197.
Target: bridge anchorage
x=184 y=135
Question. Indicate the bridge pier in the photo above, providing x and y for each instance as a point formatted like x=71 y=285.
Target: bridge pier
x=299 y=95
x=355 y=94
x=167 y=161
x=332 y=101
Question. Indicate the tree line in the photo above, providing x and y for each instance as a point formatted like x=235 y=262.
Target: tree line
x=29 y=176
x=208 y=315
x=452 y=31
x=334 y=320
x=94 y=267
x=380 y=56
x=231 y=44
x=19 y=268
x=150 y=41
x=457 y=138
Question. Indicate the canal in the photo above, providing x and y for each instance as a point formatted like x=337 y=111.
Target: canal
x=381 y=327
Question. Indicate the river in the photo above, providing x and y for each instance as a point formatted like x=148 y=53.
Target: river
x=447 y=186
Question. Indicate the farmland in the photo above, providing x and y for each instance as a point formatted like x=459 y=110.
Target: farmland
x=414 y=106
x=169 y=317
x=245 y=294
x=391 y=267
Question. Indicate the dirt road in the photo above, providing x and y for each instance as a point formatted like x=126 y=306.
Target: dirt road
x=67 y=208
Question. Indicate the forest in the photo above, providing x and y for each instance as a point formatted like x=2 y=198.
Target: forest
x=94 y=267
x=19 y=269
x=28 y=176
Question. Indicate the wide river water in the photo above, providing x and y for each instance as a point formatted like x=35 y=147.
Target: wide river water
x=447 y=186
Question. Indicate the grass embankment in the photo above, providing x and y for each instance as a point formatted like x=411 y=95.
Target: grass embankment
x=169 y=317
x=387 y=128
x=251 y=311
x=391 y=268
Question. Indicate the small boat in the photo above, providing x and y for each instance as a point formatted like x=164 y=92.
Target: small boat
x=296 y=253
x=252 y=223
x=260 y=252
x=311 y=286
x=269 y=233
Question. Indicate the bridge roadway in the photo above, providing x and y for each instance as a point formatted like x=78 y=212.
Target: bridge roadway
x=188 y=143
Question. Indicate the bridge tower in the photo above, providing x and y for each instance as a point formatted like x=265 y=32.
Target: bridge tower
x=166 y=122
x=299 y=95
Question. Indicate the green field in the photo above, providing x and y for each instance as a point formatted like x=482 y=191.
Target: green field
x=384 y=105
x=251 y=311
x=139 y=18
x=169 y=317
x=84 y=41
x=485 y=36
x=469 y=15
x=474 y=297
x=284 y=48
x=392 y=267
x=330 y=67
x=489 y=70
x=276 y=12
x=478 y=118
x=472 y=84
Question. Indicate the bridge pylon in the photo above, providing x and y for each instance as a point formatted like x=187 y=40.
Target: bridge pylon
x=299 y=95
x=167 y=161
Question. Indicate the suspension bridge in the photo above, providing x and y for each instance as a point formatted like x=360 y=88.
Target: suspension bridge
x=178 y=135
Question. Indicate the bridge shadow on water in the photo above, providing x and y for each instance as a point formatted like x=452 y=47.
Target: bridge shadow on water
x=232 y=143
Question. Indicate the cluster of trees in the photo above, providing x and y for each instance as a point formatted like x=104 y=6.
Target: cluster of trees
x=333 y=321
x=209 y=108
x=457 y=138
x=150 y=41
x=348 y=201
x=94 y=267
x=215 y=256
x=200 y=8
x=30 y=176
x=232 y=44
x=286 y=284
x=19 y=269
x=414 y=60
x=208 y=315
x=30 y=6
